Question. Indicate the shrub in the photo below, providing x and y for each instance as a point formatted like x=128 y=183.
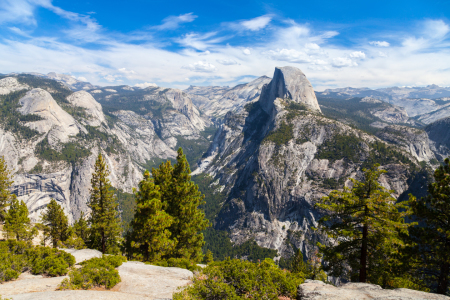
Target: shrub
x=183 y=263
x=49 y=261
x=240 y=279
x=12 y=259
x=95 y=272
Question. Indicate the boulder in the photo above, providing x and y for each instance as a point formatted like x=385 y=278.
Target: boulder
x=83 y=254
x=315 y=290
x=27 y=283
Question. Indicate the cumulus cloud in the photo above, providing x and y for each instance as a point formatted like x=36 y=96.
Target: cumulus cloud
x=227 y=62
x=81 y=78
x=256 y=23
x=145 y=85
x=246 y=51
x=358 y=54
x=290 y=55
x=201 y=66
x=379 y=43
x=173 y=22
x=340 y=62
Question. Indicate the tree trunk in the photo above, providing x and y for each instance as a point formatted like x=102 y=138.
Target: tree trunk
x=363 y=270
x=443 y=279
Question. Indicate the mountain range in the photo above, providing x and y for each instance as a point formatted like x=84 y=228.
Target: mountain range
x=266 y=150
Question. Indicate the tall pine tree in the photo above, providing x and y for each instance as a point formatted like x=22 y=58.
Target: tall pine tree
x=81 y=228
x=363 y=221
x=105 y=229
x=5 y=185
x=149 y=229
x=56 y=224
x=432 y=237
x=181 y=200
x=17 y=223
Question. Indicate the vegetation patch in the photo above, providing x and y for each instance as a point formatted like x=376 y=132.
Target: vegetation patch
x=95 y=272
x=382 y=154
x=340 y=146
x=240 y=279
x=282 y=135
x=70 y=152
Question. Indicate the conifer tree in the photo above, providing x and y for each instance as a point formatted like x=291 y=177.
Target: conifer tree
x=5 y=185
x=363 y=221
x=55 y=222
x=150 y=235
x=181 y=200
x=298 y=265
x=81 y=228
x=104 y=222
x=432 y=237
x=17 y=222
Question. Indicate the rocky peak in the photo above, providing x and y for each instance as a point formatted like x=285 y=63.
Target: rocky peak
x=56 y=121
x=93 y=108
x=10 y=84
x=288 y=82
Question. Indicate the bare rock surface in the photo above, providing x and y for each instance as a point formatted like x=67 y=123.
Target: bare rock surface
x=315 y=290
x=93 y=108
x=28 y=283
x=151 y=281
x=78 y=295
x=83 y=254
x=10 y=84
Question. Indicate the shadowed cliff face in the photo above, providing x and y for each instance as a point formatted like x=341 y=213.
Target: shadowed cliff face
x=276 y=157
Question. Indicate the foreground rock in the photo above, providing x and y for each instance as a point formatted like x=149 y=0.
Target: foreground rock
x=151 y=281
x=83 y=254
x=315 y=290
x=139 y=281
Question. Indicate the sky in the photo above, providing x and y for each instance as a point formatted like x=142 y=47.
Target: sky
x=175 y=43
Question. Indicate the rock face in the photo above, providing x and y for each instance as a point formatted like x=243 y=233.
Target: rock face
x=93 y=108
x=58 y=123
x=412 y=140
x=274 y=161
x=439 y=135
x=288 y=82
x=318 y=290
x=10 y=84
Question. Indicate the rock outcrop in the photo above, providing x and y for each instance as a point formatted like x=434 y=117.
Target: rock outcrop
x=288 y=82
x=58 y=123
x=93 y=108
x=318 y=290
x=439 y=135
x=275 y=160
x=11 y=84
x=138 y=281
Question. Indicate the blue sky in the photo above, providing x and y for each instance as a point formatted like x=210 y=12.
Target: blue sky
x=179 y=43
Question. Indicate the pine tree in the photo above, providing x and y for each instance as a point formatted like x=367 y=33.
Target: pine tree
x=104 y=222
x=365 y=222
x=55 y=222
x=150 y=235
x=17 y=222
x=181 y=200
x=432 y=237
x=81 y=228
x=5 y=185
x=298 y=265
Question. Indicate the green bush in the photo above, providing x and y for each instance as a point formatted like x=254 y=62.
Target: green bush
x=183 y=263
x=241 y=279
x=49 y=261
x=12 y=259
x=95 y=272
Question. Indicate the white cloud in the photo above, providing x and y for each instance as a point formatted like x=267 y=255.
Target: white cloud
x=199 y=41
x=289 y=55
x=312 y=46
x=110 y=78
x=173 y=22
x=145 y=85
x=81 y=78
x=246 y=51
x=358 y=54
x=19 y=31
x=435 y=29
x=227 y=62
x=256 y=23
x=201 y=66
x=340 y=62
x=379 y=43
